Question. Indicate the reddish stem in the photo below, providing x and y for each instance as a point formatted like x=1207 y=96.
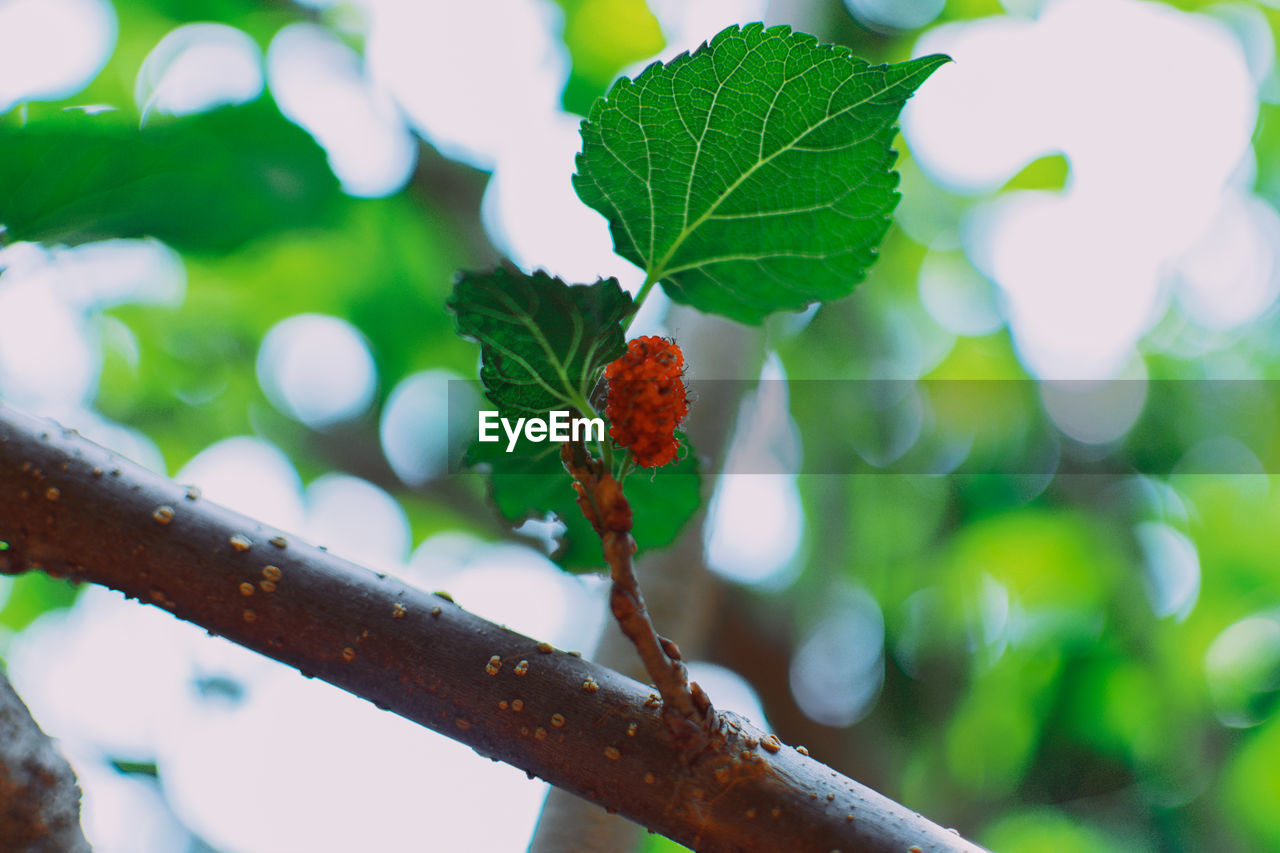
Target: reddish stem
x=686 y=708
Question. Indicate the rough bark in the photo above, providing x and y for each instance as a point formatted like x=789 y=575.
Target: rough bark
x=39 y=797
x=71 y=508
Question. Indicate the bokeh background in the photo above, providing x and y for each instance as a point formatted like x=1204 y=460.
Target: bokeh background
x=239 y=222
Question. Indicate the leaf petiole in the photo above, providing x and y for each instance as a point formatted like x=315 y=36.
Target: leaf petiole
x=649 y=281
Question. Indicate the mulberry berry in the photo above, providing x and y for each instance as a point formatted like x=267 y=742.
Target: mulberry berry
x=647 y=400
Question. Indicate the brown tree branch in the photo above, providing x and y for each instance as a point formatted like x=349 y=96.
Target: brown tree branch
x=71 y=508
x=39 y=798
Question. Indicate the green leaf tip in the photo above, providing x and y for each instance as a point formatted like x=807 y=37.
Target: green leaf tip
x=543 y=343
x=752 y=175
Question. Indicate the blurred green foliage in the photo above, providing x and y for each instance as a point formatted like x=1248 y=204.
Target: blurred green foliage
x=31 y=595
x=603 y=37
x=70 y=177
x=1078 y=721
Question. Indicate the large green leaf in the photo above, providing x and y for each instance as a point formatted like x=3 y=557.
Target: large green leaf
x=530 y=481
x=754 y=175
x=206 y=182
x=544 y=343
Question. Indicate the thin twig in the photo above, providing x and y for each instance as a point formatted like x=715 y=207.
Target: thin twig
x=685 y=707
x=661 y=657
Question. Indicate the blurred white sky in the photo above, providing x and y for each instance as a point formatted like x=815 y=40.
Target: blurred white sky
x=1158 y=198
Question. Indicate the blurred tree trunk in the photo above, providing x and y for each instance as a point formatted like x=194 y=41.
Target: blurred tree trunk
x=39 y=797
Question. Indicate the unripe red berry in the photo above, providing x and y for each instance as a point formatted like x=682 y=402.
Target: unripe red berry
x=647 y=400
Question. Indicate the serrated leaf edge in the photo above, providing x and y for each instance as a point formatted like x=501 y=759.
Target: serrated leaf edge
x=570 y=396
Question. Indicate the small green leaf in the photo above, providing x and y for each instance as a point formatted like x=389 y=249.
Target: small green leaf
x=527 y=482
x=530 y=482
x=662 y=500
x=754 y=175
x=543 y=343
